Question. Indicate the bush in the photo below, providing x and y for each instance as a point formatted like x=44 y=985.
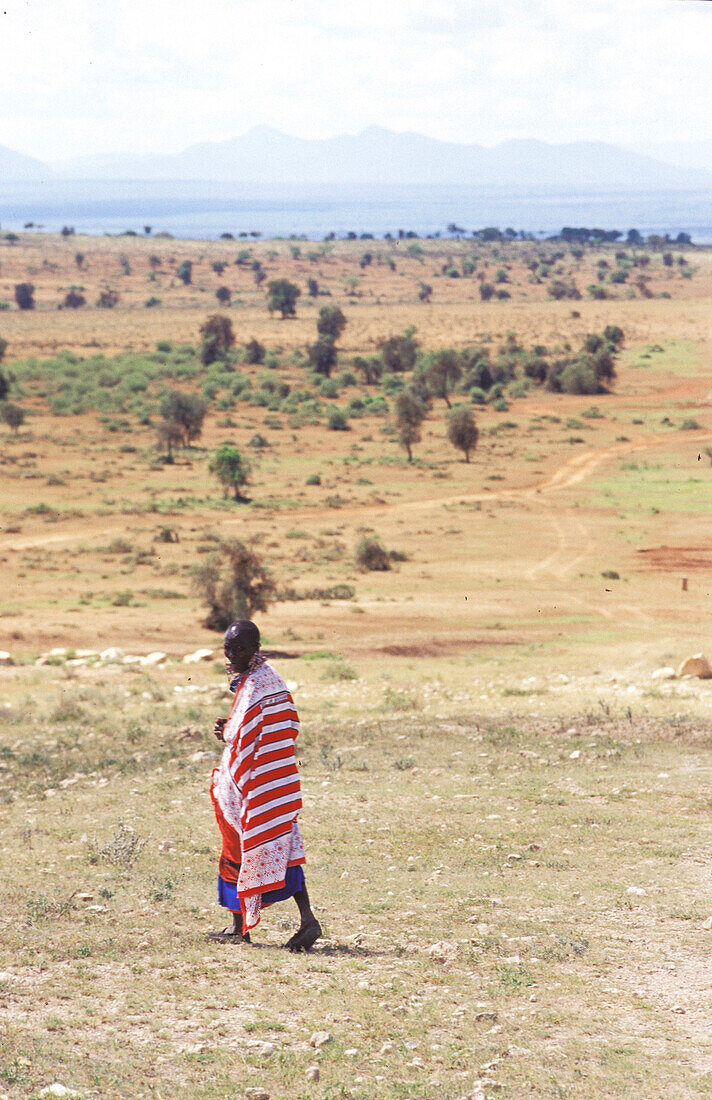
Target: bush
x=371 y=556
x=234 y=583
x=579 y=377
x=107 y=299
x=184 y=271
x=486 y=291
x=13 y=415
x=24 y=295
x=254 y=352
x=73 y=300
x=337 y=421
x=322 y=355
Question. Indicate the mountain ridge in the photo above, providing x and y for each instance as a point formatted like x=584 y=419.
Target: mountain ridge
x=378 y=156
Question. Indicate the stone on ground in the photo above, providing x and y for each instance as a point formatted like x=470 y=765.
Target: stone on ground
x=697 y=665
x=199 y=655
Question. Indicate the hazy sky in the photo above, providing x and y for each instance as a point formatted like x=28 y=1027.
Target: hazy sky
x=96 y=76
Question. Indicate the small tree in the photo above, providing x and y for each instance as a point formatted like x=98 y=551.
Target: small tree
x=331 y=322
x=462 y=430
x=486 y=291
x=230 y=468
x=186 y=411
x=13 y=415
x=170 y=435
x=442 y=372
x=410 y=414
x=399 y=352
x=223 y=295
x=24 y=295
x=234 y=583
x=312 y=288
x=4 y=386
x=217 y=338
x=322 y=356
x=371 y=368
x=184 y=271
x=282 y=295
x=425 y=292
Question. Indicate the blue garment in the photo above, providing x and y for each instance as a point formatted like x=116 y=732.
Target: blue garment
x=293 y=883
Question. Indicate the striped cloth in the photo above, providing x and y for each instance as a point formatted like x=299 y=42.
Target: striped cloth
x=256 y=786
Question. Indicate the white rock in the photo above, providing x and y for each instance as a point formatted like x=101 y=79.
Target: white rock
x=707 y=923
x=575 y=754
x=6 y=658
x=58 y=1089
x=697 y=666
x=87 y=653
x=199 y=655
x=292 y=685
x=200 y=755
x=313 y=1073
x=320 y=1039
x=260 y=1046
x=111 y=654
x=58 y=651
x=665 y=673
x=637 y=891
x=256 y=1094
x=156 y=658
x=442 y=951
x=132 y=659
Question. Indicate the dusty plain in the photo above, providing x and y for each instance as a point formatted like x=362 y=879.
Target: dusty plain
x=507 y=816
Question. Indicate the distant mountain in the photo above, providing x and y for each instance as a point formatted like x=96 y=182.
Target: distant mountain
x=378 y=156
x=16 y=166
x=686 y=154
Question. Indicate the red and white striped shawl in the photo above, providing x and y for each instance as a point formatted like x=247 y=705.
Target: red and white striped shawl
x=257 y=786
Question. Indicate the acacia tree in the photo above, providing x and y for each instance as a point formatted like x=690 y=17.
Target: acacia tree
x=234 y=583
x=441 y=373
x=411 y=411
x=282 y=295
x=231 y=469
x=462 y=430
x=186 y=413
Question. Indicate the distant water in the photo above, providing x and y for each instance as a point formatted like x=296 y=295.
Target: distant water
x=206 y=209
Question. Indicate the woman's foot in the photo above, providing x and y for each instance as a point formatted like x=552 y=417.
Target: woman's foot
x=305 y=937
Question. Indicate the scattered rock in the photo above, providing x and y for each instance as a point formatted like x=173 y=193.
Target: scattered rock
x=697 y=666
x=320 y=1039
x=131 y=659
x=575 y=754
x=199 y=655
x=6 y=658
x=313 y=1073
x=442 y=951
x=113 y=653
x=166 y=846
x=200 y=755
x=489 y=1017
x=156 y=658
x=57 y=1089
x=260 y=1046
x=256 y=1094
x=665 y=673
x=637 y=891
x=707 y=923
x=678 y=1008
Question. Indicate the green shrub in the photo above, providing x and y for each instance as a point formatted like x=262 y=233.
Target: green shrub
x=371 y=556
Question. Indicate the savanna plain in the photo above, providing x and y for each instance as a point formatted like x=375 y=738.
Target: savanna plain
x=506 y=791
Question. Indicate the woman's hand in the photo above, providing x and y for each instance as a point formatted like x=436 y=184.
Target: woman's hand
x=219 y=728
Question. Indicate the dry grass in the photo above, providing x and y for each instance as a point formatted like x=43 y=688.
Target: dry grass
x=488 y=698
